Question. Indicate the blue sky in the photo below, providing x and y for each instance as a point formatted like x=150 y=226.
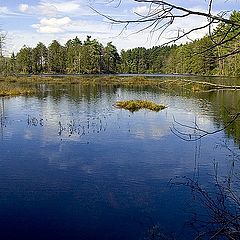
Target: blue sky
x=28 y=22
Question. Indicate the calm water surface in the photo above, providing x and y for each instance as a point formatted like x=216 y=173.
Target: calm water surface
x=74 y=167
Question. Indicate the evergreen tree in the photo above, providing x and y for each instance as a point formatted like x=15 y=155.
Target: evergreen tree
x=24 y=60
x=56 y=57
x=73 y=55
x=39 y=58
x=111 y=58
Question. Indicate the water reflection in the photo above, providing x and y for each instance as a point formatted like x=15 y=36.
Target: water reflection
x=78 y=168
x=2 y=116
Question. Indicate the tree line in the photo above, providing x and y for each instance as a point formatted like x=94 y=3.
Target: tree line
x=75 y=56
x=217 y=54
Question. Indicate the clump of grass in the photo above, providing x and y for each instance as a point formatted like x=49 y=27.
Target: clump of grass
x=136 y=105
x=16 y=91
x=196 y=88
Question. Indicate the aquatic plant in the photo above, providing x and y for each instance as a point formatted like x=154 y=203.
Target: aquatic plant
x=135 y=105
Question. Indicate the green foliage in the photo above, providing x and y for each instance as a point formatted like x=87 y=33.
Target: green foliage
x=39 y=58
x=75 y=57
x=73 y=47
x=91 y=56
x=135 y=60
x=192 y=59
x=230 y=65
x=24 y=60
x=111 y=58
x=56 y=58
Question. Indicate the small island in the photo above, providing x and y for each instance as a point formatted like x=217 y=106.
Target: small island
x=136 y=105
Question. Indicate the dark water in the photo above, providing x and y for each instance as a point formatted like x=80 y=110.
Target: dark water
x=74 y=167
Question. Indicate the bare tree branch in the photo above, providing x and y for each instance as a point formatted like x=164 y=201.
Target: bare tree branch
x=163 y=14
x=197 y=133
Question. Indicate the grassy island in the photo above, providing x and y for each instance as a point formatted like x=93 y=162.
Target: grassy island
x=135 y=105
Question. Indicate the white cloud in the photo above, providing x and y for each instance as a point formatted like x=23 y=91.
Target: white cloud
x=64 y=7
x=5 y=11
x=23 y=8
x=52 y=25
x=50 y=8
x=142 y=10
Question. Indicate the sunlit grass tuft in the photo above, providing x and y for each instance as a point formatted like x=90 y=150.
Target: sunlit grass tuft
x=136 y=105
x=14 y=90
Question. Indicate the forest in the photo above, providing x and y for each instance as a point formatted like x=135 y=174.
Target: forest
x=200 y=57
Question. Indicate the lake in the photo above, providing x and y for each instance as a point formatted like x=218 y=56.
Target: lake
x=73 y=166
